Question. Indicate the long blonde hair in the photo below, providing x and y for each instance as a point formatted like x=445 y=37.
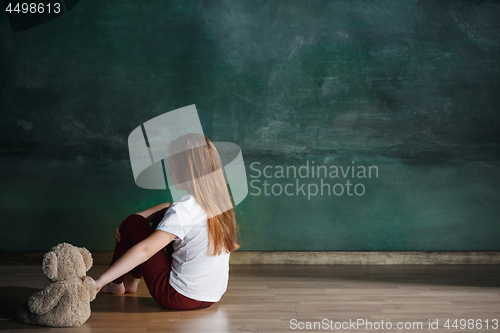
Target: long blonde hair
x=199 y=166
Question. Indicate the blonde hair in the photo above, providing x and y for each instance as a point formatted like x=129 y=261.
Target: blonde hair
x=199 y=167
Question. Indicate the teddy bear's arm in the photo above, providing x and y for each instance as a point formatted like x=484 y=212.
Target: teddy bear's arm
x=44 y=300
x=90 y=284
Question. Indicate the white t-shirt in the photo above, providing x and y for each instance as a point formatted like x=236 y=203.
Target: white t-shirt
x=194 y=274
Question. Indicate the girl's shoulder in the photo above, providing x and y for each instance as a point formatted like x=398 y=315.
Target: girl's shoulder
x=188 y=206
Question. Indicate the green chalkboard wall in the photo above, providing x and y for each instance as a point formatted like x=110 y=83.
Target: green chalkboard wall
x=405 y=92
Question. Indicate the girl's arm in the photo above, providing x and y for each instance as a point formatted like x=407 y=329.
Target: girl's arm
x=135 y=256
x=138 y=253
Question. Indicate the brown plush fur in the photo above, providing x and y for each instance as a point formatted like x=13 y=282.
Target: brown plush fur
x=66 y=301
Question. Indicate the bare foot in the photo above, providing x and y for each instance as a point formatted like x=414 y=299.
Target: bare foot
x=113 y=288
x=130 y=283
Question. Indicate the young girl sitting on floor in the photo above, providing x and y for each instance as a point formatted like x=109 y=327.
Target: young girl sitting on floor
x=200 y=230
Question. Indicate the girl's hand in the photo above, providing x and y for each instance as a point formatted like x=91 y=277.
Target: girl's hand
x=118 y=237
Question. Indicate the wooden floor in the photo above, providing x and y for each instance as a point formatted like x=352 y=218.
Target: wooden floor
x=268 y=298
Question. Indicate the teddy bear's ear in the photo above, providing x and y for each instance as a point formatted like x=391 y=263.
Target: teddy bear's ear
x=49 y=265
x=87 y=257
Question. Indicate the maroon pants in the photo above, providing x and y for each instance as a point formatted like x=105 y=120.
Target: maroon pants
x=156 y=270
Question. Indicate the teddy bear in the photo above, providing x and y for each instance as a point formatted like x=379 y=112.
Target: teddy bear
x=66 y=301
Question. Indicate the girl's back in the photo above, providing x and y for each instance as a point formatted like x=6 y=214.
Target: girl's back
x=194 y=273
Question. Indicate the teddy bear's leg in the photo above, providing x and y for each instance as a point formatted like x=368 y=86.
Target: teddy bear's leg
x=23 y=313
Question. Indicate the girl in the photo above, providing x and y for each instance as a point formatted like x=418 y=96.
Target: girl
x=200 y=230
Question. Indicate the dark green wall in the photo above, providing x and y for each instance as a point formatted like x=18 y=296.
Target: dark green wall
x=408 y=86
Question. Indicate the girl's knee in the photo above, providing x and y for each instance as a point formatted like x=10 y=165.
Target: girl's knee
x=135 y=218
